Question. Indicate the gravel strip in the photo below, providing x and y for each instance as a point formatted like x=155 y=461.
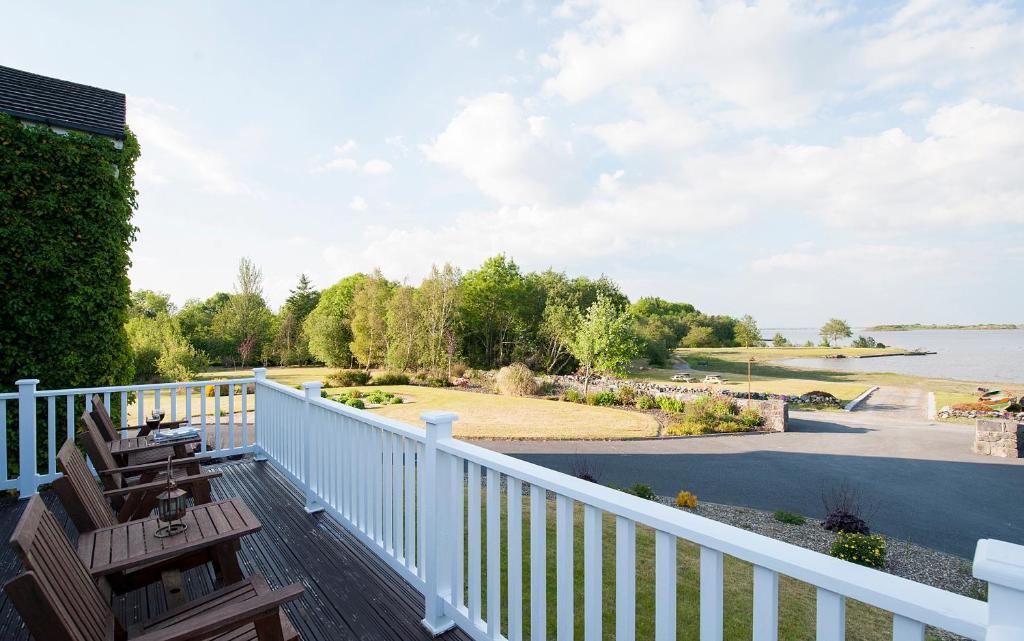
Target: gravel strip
x=902 y=558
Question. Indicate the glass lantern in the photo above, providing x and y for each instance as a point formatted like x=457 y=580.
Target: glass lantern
x=171 y=507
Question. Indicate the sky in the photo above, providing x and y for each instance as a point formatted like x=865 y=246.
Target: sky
x=794 y=161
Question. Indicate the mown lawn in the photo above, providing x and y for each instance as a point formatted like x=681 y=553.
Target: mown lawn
x=493 y=416
x=797 y=600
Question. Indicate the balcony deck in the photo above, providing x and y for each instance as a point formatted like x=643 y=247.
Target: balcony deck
x=350 y=592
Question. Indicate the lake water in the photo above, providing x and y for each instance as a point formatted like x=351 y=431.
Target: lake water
x=971 y=355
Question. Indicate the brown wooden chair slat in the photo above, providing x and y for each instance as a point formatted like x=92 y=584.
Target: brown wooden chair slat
x=109 y=431
x=58 y=600
x=79 y=492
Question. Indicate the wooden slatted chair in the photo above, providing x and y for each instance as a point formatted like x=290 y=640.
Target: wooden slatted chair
x=58 y=600
x=104 y=427
x=132 y=490
x=106 y=424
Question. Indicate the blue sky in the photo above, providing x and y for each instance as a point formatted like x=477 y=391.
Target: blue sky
x=792 y=161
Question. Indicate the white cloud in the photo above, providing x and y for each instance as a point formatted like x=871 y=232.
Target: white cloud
x=345 y=148
x=376 y=167
x=471 y=40
x=172 y=155
x=358 y=203
x=509 y=155
x=657 y=126
x=868 y=260
x=339 y=164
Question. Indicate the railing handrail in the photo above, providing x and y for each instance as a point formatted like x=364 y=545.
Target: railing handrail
x=135 y=388
x=940 y=608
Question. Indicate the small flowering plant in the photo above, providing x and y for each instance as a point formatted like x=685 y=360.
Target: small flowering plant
x=863 y=549
x=686 y=499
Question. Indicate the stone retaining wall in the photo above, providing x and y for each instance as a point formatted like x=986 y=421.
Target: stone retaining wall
x=999 y=437
x=774 y=411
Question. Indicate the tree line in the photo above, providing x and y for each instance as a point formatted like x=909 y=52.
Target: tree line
x=484 y=318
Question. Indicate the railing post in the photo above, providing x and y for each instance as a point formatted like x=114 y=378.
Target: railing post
x=312 y=391
x=1002 y=565
x=259 y=454
x=27 y=481
x=437 y=504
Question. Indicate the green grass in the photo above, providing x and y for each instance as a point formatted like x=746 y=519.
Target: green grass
x=797 y=600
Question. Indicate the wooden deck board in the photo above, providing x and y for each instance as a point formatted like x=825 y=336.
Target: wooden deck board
x=350 y=594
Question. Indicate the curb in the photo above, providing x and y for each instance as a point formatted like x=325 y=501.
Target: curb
x=860 y=399
x=933 y=414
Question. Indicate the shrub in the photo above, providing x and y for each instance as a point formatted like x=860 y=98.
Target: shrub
x=516 y=380
x=783 y=516
x=437 y=381
x=863 y=549
x=377 y=397
x=354 y=393
x=459 y=369
x=390 y=378
x=625 y=395
x=646 y=402
x=689 y=428
x=356 y=403
x=686 y=499
x=347 y=378
x=642 y=490
x=582 y=467
x=669 y=404
x=572 y=396
x=750 y=418
x=710 y=411
x=395 y=400
x=604 y=399
x=843 y=521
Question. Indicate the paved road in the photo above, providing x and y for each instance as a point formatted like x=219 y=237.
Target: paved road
x=897 y=402
x=921 y=479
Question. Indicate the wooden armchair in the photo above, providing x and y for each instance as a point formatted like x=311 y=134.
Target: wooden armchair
x=132 y=489
x=59 y=601
x=106 y=424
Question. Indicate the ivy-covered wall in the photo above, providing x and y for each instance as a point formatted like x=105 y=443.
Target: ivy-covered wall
x=66 y=204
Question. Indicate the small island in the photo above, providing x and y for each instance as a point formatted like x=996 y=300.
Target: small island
x=913 y=326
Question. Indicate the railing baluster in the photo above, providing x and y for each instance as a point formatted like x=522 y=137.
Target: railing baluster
x=538 y=563
x=216 y=423
x=51 y=434
x=188 y=403
x=106 y=401
x=88 y=402
x=70 y=409
x=397 y=503
x=140 y=405
x=493 y=553
x=173 y=401
x=3 y=446
x=420 y=519
x=231 y=417
x=831 y=618
x=474 y=542
x=711 y=586
x=625 y=579
x=664 y=586
x=564 y=576
x=377 y=461
x=592 y=571
x=389 y=463
x=124 y=411
x=766 y=604
x=246 y=441
x=514 y=525
x=458 y=494
x=410 y=505
x=904 y=629
x=202 y=421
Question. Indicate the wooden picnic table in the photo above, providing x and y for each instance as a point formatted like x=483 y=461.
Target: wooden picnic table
x=133 y=548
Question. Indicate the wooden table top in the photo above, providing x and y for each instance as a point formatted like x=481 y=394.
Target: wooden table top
x=130 y=545
x=134 y=443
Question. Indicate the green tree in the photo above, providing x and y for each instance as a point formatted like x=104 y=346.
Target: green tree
x=303 y=299
x=657 y=338
x=403 y=326
x=495 y=300
x=747 y=333
x=603 y=341
x=369 y=319
x=329 y=325
x=779 y=340
x=196 y=321
x=440 y=295
x=245 y=322
x=834 y=330
x=291 y=344
x=701 y=337
x=148 y=303
x=161 y=351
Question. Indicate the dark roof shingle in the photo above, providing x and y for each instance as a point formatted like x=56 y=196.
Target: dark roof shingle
x=60 y=103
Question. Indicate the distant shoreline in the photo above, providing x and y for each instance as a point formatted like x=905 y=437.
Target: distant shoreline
x=914 y=326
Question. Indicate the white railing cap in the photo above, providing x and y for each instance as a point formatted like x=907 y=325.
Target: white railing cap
x=27 y=381
x=1000 y=562
x=439 y=417
x=312 y=385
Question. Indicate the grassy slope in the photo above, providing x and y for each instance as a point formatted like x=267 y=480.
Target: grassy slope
x=796 y=599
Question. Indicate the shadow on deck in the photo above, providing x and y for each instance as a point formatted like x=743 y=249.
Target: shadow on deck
x=350 y=593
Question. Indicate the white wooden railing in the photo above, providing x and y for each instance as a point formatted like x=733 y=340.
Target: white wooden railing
x=222 y=419
x=421 y=500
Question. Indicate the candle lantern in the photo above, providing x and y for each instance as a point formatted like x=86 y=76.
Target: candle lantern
x=171 y=507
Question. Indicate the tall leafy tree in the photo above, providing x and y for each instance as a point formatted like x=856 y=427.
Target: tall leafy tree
x=148 y=303
x=403 y=327
x=603 y=341
x=440 y=295
x=747 y=333
x=495 y=298
x=245 y=321
x=329 y=325
x=834 y=330
x=369 y=319
x=291 y=344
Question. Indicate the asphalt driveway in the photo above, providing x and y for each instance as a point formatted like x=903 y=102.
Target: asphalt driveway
x=920 y=480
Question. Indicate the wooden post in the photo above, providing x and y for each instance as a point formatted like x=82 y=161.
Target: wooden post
x=312 y=391
x=1000 y=563
x=437 y=506
x=27 y=481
